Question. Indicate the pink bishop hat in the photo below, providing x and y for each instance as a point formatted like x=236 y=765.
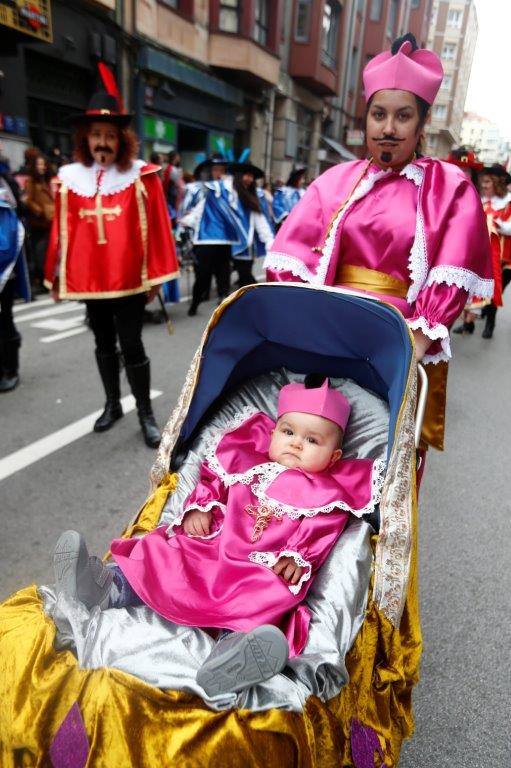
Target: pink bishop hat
x=319 y=401
x=419 y=71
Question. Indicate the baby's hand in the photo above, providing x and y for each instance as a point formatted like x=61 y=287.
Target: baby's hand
x=197 y=523
x=288 y=569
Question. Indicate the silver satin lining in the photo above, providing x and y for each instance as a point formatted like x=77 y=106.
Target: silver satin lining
x=141 y=643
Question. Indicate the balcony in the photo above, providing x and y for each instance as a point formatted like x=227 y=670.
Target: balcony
x=243 y=41
x=315 y=46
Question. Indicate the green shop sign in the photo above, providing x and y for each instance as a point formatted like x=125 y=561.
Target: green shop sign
x=220 y=142
x=160 y=129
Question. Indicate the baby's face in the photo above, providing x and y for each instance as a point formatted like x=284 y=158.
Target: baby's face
x=305 y=441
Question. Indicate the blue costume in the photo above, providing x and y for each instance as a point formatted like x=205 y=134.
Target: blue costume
x=284 y=200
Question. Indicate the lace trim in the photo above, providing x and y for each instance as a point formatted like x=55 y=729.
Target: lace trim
x=269 y=559
x=438 y=331
x=83 y=180
x=283 y=262
x=440 y=357
x=207 y=508
x=414 y=173
x=418 y=258
x=279 y=509
x=462 y=278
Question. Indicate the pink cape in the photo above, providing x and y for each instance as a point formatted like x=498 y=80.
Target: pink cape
x=225 y=580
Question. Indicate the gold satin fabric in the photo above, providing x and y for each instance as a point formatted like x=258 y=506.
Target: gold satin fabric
x=130 y=724
x=363 y=279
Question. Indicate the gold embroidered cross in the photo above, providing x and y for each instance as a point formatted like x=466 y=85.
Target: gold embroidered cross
x=263 y=514
x=99 y=212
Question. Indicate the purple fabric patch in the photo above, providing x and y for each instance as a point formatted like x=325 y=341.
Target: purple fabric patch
x=364 y=743
x=70 y=747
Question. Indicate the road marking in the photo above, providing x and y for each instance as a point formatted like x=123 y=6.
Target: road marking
x=31 y=305
x=58 y=310
x=63 y=335
x=57 y=440
x=58 y=324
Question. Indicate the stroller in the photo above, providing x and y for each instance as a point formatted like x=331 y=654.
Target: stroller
x=117 y=688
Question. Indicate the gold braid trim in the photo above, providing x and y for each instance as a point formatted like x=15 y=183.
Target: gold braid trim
x=141 y=192
x=64 y=239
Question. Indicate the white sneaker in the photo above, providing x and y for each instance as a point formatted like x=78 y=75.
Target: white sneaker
x=244 y=659
x=78 y=575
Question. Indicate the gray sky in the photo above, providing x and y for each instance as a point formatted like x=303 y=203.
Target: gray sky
x=488 y=91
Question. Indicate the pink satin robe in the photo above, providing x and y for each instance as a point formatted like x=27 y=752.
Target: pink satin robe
x=423 y=225
x=225 y=580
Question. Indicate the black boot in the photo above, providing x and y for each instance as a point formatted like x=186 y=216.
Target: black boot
x=491 y=313
x=139 y=377
x=9 y=356
x=108 y=366
x=465 y=328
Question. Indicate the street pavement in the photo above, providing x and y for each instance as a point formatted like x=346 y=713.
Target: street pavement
x=96 y=483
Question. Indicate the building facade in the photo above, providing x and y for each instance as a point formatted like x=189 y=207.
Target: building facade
x=484 y=138
x=452 y=35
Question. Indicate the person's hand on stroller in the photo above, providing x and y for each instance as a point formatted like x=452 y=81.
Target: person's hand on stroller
x=288 y=569
x=197 y=523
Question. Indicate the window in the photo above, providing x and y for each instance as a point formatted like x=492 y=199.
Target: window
x=375 y=10
x=454 y=19
x=354 y=70
x=261 y=22
x=171 y=3
x=392 y=19
x=331 y=16
x=303 y=21
x=415 y=4
x=433 y=141
x=229 y=19
x=449 y=51
x=446 y=83
x=439 y=111
x=304 y=120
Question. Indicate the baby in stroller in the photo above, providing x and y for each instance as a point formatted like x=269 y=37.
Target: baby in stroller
x=271 y=501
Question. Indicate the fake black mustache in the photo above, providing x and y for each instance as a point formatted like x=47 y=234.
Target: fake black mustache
x=100 y=148
x=386 y=138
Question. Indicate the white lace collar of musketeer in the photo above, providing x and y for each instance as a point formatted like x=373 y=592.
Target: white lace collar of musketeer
x=82 y=180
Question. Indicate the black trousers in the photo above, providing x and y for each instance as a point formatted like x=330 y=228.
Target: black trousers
x=490 y=312
x=8 y=330
x=211 y=260
x=112 y=319
x=244 y=269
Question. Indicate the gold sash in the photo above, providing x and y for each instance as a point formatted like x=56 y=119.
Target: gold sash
x=363 y=279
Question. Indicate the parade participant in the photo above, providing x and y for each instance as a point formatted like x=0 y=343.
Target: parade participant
x=287 y=196
x=14 y=280
x=467 y=161
x=494 y=182
x=40 y=205
x=111 y=246
x=252 y=208
x=270 y=503
x=208 y=210
x=405 y=228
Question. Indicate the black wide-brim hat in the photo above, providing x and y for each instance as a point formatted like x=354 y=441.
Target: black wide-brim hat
x=497 y=170
x=241 y=168
x=300 y=170
x=103 y=108
x=209 y=162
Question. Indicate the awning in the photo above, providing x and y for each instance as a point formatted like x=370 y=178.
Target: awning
x=342 y=151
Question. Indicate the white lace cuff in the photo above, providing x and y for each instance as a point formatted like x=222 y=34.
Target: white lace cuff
x=437 y=332
x=207 y=508
x=269 y=559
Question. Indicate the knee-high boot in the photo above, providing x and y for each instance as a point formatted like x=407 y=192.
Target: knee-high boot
x=108 y=366
x=491 y=314
x=9 y=363
x=139 y=377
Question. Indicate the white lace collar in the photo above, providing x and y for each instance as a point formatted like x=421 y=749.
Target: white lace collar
x=83 y=180
x=499 y=203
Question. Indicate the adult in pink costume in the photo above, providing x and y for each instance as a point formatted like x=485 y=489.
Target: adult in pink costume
x=408 y=229
x=262 y=511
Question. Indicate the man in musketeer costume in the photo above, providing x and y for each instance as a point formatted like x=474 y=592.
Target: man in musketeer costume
x=112 y=247
x=406 y=228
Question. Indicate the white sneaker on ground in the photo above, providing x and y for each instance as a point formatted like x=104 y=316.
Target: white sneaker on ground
x=78 y=575
x=244 y=659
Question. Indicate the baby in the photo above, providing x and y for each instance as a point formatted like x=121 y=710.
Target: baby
x=270 y=503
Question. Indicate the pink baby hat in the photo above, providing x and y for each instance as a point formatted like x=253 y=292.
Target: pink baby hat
x=418 y=71
x=319 y=401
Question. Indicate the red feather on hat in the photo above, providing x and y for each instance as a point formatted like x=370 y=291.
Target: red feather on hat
x=110 y=84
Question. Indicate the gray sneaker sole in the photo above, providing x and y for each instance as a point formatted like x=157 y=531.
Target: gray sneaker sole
x=256 y=657
x=73 y=573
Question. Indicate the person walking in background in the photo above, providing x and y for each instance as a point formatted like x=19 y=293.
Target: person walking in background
x=14 y=280
x=174 y=185
x=40 y=209
x=113 y=249
x=252 y=208
x=494 y=181
x=286 y=197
